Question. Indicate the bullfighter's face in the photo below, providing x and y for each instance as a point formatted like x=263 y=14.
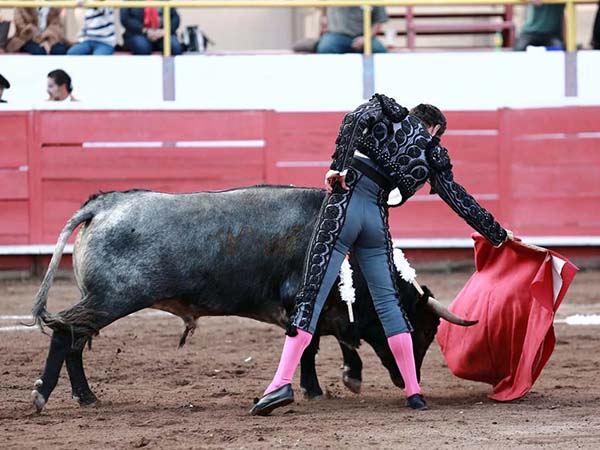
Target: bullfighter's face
x=432 y=130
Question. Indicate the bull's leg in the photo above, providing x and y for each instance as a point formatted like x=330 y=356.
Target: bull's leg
x=308 y=372
x=84 y=319
x=59 y=348
x=79 y=384
x=352 y=374
x=382 y=350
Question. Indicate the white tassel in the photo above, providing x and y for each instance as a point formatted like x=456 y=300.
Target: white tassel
x=407 y=273
x=346 y=287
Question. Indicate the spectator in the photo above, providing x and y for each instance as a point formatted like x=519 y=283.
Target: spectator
x=59 y=86
x=543 y=27
x=143 y=30
x=97 y=37
x=38 y=31
x=345 y=30
x=596 y=30
x=4 y=84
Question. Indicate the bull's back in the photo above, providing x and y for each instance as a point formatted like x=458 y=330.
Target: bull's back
x=241 y=245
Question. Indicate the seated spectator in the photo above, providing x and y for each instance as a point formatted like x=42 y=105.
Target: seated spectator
x=543 y=27
x=143 y=30
x=97 y=37
x=345 y=30
x=596 y=30
x=59 y=86
x=38 y=31
x=4 y=84
x=4 y=29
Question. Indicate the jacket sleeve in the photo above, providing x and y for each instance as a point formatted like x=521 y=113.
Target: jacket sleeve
x=131 y=21
x=442 y=183
x=343 y=152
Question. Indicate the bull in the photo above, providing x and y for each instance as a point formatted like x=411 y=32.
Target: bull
x=237 y=252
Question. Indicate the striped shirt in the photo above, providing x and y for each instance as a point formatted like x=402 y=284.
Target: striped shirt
x=99 y=26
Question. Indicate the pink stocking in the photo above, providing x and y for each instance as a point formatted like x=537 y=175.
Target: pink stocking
x=402 y=349
x=290 y=358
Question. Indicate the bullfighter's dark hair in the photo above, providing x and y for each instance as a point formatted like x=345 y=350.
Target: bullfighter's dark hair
x=61 y=78
x=430 y=115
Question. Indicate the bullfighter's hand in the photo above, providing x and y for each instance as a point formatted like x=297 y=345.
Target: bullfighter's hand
x=510 y=236
x=331 y=177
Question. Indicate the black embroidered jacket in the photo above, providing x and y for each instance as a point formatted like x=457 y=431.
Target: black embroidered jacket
x=401 y=146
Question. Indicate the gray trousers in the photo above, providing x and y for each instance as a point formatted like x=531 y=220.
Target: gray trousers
x=365 y=232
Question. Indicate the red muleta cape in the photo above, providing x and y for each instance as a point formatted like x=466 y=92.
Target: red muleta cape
x=514 y=294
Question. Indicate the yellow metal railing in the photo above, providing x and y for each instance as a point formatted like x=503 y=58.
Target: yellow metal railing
x=366 y=4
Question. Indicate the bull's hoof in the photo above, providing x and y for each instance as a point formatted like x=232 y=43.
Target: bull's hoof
x=87 y=399
x=313 y=396
x=38 y=399
x=398 y=382
x=352 y=383
x=316 y=394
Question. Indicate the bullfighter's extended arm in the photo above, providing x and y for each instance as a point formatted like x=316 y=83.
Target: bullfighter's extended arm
x=442 y=182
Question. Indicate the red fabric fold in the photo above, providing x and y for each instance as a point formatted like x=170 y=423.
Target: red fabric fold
x=512 y=295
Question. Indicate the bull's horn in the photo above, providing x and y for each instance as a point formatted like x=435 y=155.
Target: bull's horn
x=445 y=313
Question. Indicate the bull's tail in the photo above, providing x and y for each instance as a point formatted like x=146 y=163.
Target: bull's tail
x=40 y=313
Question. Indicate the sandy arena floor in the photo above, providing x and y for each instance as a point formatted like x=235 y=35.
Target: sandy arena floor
x=157 y=396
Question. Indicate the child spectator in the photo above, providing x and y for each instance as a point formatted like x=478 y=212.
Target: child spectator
x=144 y=32
x=38 y=31
x=97 y=37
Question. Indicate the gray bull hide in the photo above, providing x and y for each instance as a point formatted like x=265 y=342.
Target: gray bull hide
x=238 y=252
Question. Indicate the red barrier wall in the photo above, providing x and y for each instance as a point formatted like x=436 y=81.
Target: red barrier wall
x=535 y=170
x=14 y=182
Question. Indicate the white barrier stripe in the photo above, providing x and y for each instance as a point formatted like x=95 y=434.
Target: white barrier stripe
x=17 y=328
x=575 y=320
x=426 y=243
x=543 y=241
x=257 y=143
x=482 y=132
x=150 y=313
x=581 y=319
x=588 y=134
x=555 y=136
x=303 y=163
x=435 y=198
x=7 y=250
x=130 y=144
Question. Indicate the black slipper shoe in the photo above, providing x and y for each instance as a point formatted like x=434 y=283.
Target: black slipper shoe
x=279 y=397
x=417 y=402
